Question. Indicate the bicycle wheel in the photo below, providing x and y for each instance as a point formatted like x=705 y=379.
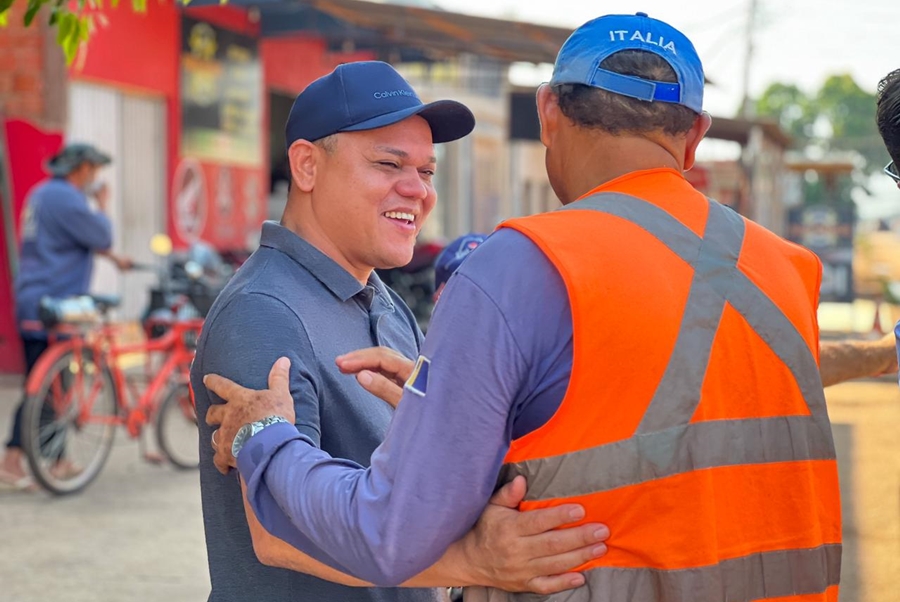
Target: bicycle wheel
x=176 y=428
x=69 y=424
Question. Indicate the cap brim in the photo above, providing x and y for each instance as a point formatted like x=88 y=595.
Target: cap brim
x=98 y=158
x=449 y=120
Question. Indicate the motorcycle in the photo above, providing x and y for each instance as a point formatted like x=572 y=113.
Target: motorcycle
x=188 y=285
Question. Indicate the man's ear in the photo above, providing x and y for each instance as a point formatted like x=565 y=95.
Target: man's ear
x=303 y=158
x=694 y=136
x=549 y=114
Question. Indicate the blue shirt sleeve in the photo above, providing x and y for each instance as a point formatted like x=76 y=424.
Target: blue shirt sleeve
x=433 y=475
x=85 y=227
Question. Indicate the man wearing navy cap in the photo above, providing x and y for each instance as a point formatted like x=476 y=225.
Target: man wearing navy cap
x=643 y=351
x=361 y=157
x=451 y=257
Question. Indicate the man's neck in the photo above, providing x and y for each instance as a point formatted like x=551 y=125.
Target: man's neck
x=613 y=157
x=308 y=229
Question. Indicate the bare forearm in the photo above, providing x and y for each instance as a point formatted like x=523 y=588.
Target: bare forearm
x=274 y=552
x=450 y=570
x=845 y=360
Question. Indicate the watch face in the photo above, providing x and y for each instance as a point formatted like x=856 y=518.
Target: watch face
x=240 y=438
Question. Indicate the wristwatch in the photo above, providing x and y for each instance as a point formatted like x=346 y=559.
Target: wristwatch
x=248 y=430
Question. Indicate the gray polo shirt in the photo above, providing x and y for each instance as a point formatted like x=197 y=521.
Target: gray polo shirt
x=291 y=300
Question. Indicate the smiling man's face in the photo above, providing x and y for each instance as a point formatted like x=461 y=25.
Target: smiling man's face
x=373 y=192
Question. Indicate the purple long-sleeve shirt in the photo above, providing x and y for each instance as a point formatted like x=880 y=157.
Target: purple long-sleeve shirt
x=499 y=355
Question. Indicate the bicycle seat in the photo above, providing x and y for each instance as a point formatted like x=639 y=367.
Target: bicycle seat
x=105 y=302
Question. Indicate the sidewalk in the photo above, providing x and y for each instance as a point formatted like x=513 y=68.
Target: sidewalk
x=135 y=535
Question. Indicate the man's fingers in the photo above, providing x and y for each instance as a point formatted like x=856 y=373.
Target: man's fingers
x=380 y=386
x=562 y=563
x=535 y=522
x=561 y=541
x=280 y=376
x=511 y=494
x=221 y=461
x=215 y=414
x=223 y=387
x=556 y=583
x=382 y=360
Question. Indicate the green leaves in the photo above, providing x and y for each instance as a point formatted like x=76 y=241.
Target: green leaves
x=840 y=116
x=33 y=7
x=69 y=34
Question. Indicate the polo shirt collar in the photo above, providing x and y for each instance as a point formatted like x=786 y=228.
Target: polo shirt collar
x=336 y=279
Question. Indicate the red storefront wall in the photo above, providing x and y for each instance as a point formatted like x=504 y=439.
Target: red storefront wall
x=142 y=53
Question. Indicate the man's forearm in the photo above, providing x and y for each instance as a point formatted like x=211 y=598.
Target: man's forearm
x=840 y=361
x=450 y=571
x=275 y=552
x=344 y=521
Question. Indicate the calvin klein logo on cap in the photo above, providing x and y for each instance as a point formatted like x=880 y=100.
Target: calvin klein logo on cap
x=389 y=94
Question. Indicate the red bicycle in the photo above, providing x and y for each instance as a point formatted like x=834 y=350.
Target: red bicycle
x=85 y=385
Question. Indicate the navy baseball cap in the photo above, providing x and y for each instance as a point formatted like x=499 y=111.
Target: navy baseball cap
x=366 y=95
x=578 y=61
x=453 y=255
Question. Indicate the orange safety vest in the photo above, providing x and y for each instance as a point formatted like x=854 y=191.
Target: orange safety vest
x=694 y=424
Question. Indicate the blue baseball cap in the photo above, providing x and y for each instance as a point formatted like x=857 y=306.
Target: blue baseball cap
x=578 y=61
x=367 y=95
x=453 y=255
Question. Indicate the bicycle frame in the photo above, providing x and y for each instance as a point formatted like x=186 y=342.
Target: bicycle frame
x=107 y=356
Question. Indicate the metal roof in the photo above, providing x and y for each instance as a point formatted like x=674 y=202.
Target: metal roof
x=738 y=130
x=405 y=32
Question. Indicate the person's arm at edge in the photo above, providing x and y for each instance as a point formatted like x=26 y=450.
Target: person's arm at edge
x=841 y=361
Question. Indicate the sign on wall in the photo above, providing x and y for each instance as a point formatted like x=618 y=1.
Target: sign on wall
x=221 y=95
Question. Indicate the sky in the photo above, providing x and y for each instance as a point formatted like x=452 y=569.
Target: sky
x=796 y=41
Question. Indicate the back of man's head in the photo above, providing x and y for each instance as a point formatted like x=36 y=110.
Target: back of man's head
x=888 y=113
x=591 y=107
x=629 y=74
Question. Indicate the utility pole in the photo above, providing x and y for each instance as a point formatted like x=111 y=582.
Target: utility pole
x=752 y=10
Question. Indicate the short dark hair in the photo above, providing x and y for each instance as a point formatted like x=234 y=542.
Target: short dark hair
x=591 y=107
x=887 y=115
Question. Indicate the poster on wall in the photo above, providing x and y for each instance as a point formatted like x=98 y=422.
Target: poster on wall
x=221 y=95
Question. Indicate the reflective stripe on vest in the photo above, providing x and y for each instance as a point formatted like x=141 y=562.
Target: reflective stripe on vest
x=779 y=574
x=666 y=443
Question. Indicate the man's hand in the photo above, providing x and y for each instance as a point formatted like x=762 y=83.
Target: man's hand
x=380 y=370
x=888 y=346
x=526 y=551
x=243 y=406
x=123 y=263
x=102 y=197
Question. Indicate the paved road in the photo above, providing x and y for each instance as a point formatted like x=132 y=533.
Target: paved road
x=136 y=534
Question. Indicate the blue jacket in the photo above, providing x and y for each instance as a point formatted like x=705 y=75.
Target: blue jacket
x=60 y=233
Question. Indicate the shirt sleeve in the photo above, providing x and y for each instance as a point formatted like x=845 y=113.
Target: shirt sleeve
x=433 y=475
x=246 y=338
x=86 y=227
